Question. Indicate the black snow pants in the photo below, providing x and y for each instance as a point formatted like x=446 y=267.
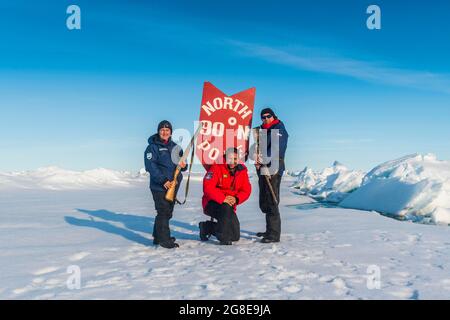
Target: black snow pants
x=164 y=209
x=227 y=227
x=268 y=205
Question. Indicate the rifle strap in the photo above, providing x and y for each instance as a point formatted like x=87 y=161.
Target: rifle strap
x=188 y=179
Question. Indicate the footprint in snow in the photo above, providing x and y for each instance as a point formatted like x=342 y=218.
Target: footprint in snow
x=405 y=293
x=38 y=280
x=79 y=256
x=45 y=271
x=293 y=289
x=414 y=238
x=25 y=289
x=340 y=285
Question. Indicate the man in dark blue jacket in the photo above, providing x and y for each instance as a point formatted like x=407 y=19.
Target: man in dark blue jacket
x=271 y=164
x=161 y=158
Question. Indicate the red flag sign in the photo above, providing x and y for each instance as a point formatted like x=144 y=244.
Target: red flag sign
x=226 y=122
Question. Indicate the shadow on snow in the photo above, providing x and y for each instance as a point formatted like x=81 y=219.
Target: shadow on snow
x=133 y=225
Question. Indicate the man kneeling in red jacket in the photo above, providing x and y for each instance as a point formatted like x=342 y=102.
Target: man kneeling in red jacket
x=224 y=187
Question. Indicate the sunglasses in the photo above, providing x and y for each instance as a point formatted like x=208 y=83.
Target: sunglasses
x=266 y=117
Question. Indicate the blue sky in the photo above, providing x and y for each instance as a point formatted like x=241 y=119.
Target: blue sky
x=90 y=98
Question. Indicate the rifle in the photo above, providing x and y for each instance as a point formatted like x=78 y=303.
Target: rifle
x=262 y=166
x=170 y=193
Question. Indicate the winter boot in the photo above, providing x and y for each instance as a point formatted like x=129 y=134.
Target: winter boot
x=204 y=232
x=261 y=234
x=269 y=240
x=156 y=241
x=169 y=245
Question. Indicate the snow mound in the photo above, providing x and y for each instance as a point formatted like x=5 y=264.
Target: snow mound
x=55 y=178
x=414 y=187
x=306 y=180
x=332 y=184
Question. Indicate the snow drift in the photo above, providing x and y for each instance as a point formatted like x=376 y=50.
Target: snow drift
x=414 y=187
x=331 y=184
x=55 y=178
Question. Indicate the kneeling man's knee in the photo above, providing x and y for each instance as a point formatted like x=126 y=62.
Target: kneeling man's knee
x=227 y=208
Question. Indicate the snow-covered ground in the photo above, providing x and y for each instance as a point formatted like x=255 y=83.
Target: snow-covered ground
x=325 y=253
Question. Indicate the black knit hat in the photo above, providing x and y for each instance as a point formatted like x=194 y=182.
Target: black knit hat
x=164 y=124
x=269 y=111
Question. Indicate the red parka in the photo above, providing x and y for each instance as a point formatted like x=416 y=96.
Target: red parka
x=219 y=183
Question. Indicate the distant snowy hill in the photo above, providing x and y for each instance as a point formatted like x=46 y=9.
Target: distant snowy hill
x=55 y=178
x=331 y=184
x=416 y=187
x=413 y=186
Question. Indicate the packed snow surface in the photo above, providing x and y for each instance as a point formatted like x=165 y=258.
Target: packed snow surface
x=47 y=236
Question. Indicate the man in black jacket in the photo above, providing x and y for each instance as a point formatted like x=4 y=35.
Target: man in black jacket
x=271 y=164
